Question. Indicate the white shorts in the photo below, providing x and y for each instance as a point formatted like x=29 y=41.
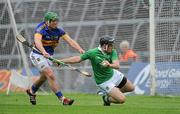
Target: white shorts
x=115 y=80
x=40 y=61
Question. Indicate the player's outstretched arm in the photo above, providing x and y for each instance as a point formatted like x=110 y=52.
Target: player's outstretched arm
x=73 y=43
x=71 y=60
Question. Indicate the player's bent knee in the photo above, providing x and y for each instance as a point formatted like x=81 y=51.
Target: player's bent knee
x=121 y=99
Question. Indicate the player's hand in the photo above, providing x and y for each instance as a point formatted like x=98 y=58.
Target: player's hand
x=57 y=64
x=105 y=63
x=45 y=54
x=81 y=51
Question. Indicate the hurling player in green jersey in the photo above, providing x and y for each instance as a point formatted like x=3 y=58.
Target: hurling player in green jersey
x=105 y=65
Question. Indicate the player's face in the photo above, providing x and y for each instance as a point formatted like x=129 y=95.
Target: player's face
x=53 y=24
x=109 y=48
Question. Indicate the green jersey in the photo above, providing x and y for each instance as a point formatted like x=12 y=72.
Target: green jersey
x=96 y=56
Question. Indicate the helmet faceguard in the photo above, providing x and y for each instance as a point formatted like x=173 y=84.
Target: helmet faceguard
x=106 y=40
x=106 y=43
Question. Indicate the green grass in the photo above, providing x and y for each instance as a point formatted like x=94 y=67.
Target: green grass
x=88 y=104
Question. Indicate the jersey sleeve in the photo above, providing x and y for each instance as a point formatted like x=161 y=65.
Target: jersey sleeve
x=61 y=33
x=86 y=55
x=39 y=31
x=114 y=55
x=40 y=28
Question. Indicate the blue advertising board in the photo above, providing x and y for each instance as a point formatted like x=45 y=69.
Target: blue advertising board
x=167 y=78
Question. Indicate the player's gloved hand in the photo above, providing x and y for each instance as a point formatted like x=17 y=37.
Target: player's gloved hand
x=105 y=63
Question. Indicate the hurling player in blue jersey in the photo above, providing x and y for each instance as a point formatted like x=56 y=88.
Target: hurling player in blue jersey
x=46 y=38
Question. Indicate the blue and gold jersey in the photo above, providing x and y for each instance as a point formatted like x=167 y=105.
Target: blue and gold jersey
x=50 y=38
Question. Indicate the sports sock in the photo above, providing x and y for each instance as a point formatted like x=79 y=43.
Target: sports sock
x=107 y=99
x=34 y=88
x=60 y=95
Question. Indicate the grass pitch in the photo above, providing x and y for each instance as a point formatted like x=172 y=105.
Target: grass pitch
x=88 y=104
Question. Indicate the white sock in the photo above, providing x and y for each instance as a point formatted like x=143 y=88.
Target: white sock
x=62 y=98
